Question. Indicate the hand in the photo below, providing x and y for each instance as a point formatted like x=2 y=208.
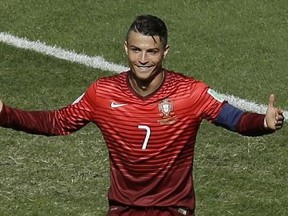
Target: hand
x=274 y=117
x=1 y=106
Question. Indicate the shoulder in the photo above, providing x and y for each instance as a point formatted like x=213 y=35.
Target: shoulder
x=113 y=79
x=110 y=81
x=183 y=81
x=192 y=88
x=108 y=85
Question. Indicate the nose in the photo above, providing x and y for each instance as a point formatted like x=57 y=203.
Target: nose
x=143 y=58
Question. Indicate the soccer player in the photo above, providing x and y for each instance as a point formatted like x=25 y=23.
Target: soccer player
x=149 y=117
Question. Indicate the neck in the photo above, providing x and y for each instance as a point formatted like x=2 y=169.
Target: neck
x=146 y=87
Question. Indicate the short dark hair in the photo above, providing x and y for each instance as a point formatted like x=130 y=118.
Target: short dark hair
x=150 y=25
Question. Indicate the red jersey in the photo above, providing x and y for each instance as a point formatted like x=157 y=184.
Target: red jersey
x=150 y=139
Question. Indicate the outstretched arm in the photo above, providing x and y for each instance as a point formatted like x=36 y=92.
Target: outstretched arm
x=249 y=123
x=274 y=117
x=50 y=123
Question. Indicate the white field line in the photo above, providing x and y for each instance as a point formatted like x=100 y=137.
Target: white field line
x=95 y=62
x=100 y=63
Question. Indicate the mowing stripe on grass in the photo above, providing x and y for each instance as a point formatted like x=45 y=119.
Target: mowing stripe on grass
x=100 y=63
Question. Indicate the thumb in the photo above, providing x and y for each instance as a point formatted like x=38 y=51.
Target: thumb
x=272 y=100
x=1 y=105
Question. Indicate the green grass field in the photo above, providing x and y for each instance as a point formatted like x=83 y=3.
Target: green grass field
x=238 y=47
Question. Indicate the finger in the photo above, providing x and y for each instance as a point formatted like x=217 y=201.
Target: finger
x=280 y=117
x=271 y=102
x=279 y=121
x=279 y=125
x=280 y=112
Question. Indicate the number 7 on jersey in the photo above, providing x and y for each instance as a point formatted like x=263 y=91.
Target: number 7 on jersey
x=147 y=136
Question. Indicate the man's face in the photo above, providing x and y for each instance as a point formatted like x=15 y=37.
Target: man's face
x=145 y=55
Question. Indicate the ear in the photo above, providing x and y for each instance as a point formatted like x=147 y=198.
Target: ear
x=166 y=50
x=126 y=47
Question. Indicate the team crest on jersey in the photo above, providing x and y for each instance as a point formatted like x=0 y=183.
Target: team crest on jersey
x=165 y=107
x=166 y=111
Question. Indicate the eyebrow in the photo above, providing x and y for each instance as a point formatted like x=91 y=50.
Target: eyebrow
x=149 y=49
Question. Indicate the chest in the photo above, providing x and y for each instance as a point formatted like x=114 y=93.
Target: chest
x=143 y=122
x=161 y=112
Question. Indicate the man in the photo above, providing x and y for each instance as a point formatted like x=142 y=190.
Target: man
x=149 y=117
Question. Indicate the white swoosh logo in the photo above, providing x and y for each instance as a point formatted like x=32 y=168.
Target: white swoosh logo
x=116 y=105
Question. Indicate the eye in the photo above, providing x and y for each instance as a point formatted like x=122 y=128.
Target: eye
x=153 y=51
x=135 y=49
